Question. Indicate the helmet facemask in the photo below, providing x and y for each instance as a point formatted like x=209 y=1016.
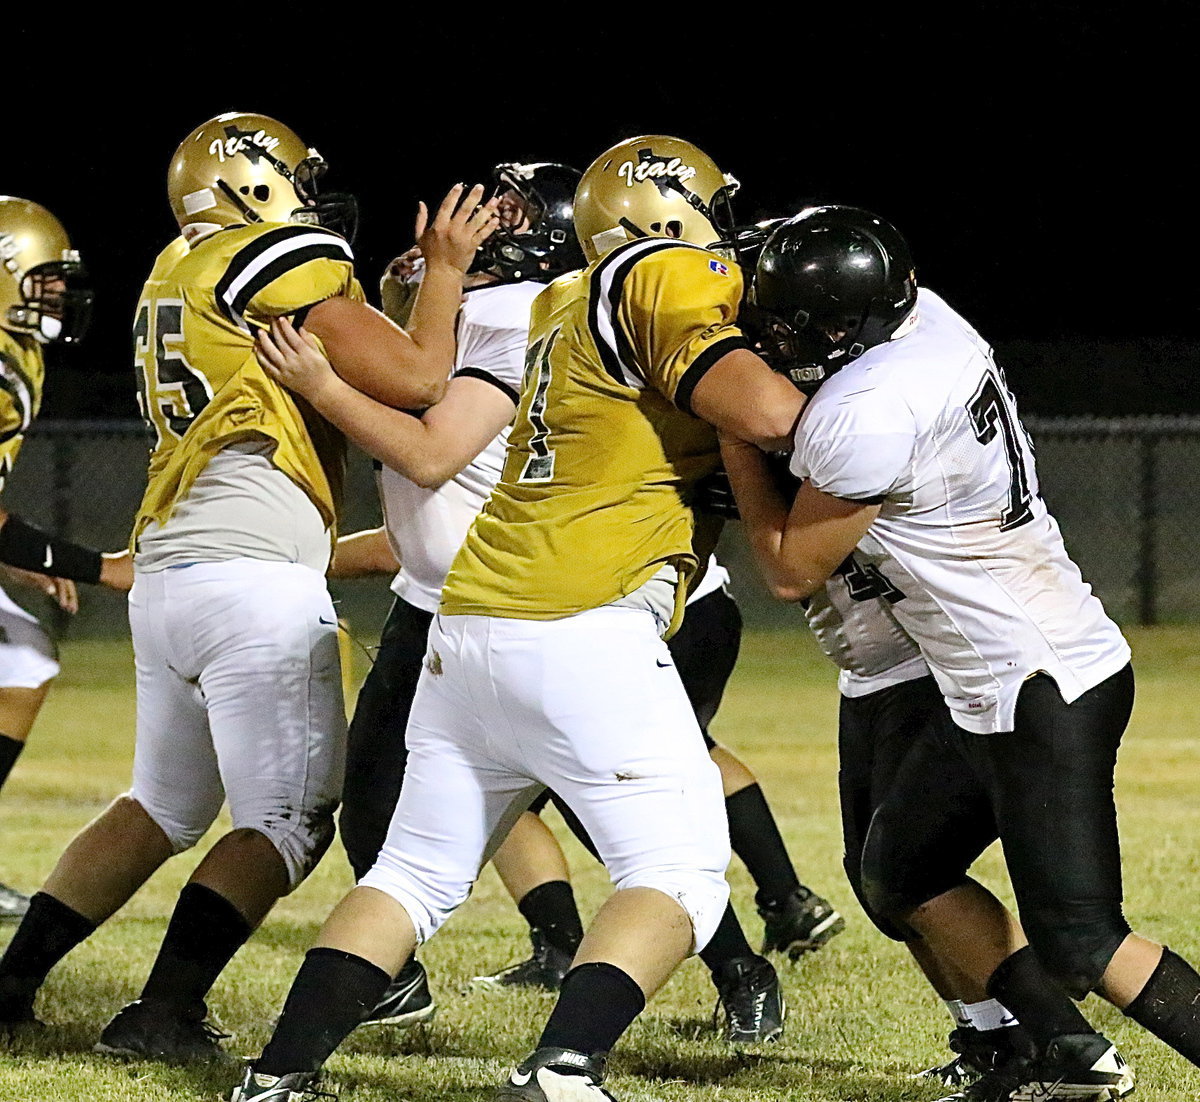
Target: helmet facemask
x=536 y=240
x=56 y=301
x=333 y=210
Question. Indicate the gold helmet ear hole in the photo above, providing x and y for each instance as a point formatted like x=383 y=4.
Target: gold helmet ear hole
x=244 y=189
x=675 y=228
x=262 y=193
x=656 y=227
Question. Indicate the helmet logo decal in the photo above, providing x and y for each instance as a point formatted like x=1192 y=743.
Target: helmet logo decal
x=9 y=250
x=658 y=170
x=246 y=142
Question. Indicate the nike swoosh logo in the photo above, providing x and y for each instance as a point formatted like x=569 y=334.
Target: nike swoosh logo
x=321 y=619
x=662 y=665
x=49 y=556
x=519 y=1078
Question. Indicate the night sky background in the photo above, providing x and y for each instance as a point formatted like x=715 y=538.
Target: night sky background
x=1039 y=161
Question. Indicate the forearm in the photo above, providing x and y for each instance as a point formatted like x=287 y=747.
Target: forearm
x=397 y=439
x=25 y=546
x=362 y=554
x=764 y=514
x=432 y=320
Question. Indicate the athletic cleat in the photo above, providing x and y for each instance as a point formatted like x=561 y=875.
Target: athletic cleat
x=978 y=1052
x=13 y=904
x=545 y=969
x=407 y=1001
x=151 y=1030
x=1082 y=1067
x=749 y=995
x=295 y=1086
x=556 y=1075
x=802 y=922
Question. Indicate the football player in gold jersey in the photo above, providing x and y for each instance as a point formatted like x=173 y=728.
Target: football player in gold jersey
x=44 y=299
x=546 y=664
x=235 y=636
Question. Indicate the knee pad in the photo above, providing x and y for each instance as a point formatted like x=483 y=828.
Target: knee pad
x=181 y=834
x=703 y=894
x=300 y=838
x=892 y=890
x=1075 y=943
x=427 y=901
x=893 y=930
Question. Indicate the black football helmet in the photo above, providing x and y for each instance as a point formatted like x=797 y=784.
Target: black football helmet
x=543 y=245
x=830 y=282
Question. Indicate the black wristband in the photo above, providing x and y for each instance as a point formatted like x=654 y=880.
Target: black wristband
x=22 y=545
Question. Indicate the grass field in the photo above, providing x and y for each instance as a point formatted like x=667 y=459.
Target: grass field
x=860 y=1021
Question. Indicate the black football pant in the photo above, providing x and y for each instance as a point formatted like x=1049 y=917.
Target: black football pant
x=376 y=754
x=705 y=650
x=1046 y=790
x=876 y=732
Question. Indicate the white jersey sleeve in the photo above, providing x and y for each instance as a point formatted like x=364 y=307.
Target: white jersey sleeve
x=427 y=527
x=859 y=447
x=493 y=331
x=926 y=426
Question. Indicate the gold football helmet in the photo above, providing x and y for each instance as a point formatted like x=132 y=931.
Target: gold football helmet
x=43 y=285
x=237 y=169
x=653 y=186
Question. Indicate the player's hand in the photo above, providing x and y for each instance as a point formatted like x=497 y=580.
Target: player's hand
x=461 y=225
x=405 y=267
x=293 y=358
x=61 y=590
x=116 y=570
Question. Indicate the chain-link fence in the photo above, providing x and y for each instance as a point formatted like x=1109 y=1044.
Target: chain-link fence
x=1121 y=489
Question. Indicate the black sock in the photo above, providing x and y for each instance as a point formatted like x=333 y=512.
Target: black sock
x=550 y=907
x=10 y=750
x=48 y=932
x=755 y=838
x=1169 y=1005
x=204 y=933
x=331 y=994
x=596 y=1004
x=728 y=942
x=1035 y=999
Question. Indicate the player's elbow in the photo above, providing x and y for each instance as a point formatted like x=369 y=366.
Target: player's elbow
x=792 y=586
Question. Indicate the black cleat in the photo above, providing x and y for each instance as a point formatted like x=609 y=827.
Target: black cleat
x=802 y=922
x=13 y=904
x=545 y=969
x=751 y=1000
x=556 y=1075
x=407 y=1001
x=151 y=1030
x=295 y=1086
x=1081 y=1067
x=977 y=1053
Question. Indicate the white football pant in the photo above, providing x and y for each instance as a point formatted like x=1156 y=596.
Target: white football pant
x=27 y=654
x=589 y=706
x=239 y=696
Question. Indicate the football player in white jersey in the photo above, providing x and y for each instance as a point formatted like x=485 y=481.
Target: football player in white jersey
x=913 y=451
x=235 y=638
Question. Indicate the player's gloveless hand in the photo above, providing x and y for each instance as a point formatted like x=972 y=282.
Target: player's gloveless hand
x=293 y=359
x=61 y=590
x=462 y=223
